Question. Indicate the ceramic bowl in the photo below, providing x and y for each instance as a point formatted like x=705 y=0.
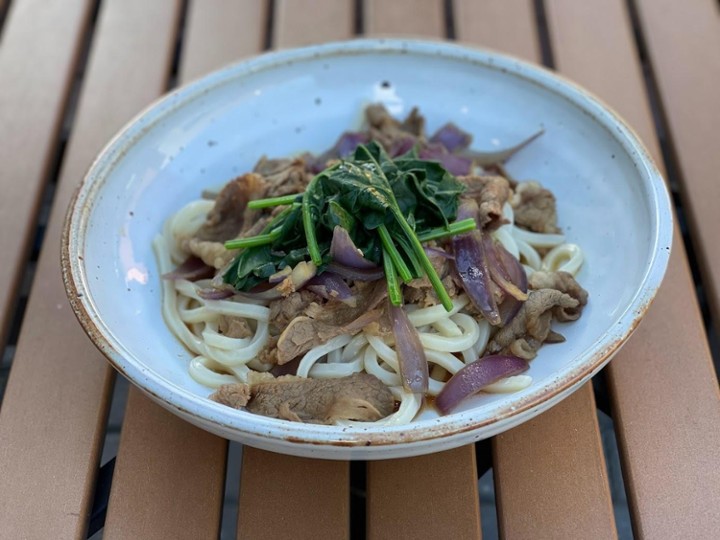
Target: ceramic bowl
x=611 y=200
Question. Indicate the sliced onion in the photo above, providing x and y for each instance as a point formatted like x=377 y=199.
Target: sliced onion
x=437 y=252
x=453 y=163
x=518 y=276
x=330 y=285
x=452 y=137
x=192 y=269
x=357 y=274
x=401 y=145
x=498 y=272
x=299 y=277
x=344 y=251
x=471 y=266
x=279 y=276
x=473 y=377
x=348 y=142
x=410 y=352
x=498 y=156
x=211 y=293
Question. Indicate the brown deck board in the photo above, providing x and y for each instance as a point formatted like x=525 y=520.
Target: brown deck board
x=664 y=392
x=41 y=41
x=303 y=22
x=433 y=496
x=398 y=489
x=315 y=493
x=169 y=477
x=291 y=497
x=413 y=18
x=219 y=32
x=171 y=509
x=683 y=40
x=54 y=411
x=536 y=462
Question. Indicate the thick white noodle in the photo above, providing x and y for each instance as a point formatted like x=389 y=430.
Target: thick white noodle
x=505 y=237
x=565 y=257
x=473 y=353
x=315 y=354
x=470 y=335
x=514 y=383
x=205 y=372
x=529 y=254
x=184 y=224
x=333 y=371
x=538 y=240
x=424 y=316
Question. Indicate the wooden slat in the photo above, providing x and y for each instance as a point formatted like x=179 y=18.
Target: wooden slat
x=505 y=25
x=290 y=497
x=136 y=512
x=428 y=505
x=169 y=477
x=303 y=22
x=663 y=387
x=683 y=42
x=550 y=475
x=536 y=462
x=40 y=45
x=315 y=494
x=49 y=433
x=433 y=496
x=220 y=32
x=419 y=18
x=53 y=414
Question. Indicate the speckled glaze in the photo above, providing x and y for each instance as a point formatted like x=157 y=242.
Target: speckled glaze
x=611 y=200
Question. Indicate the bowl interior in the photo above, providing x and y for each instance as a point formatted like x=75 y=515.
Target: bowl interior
x=203 y=136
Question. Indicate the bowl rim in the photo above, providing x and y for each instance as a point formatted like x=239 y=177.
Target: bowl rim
x=201 y=411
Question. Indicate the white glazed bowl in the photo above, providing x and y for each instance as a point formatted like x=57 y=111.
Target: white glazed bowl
x=611 y=200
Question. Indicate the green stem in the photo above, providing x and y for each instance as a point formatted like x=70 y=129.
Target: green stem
x=274 y=201
x=424 y=261
x=309 y=226
x=394 y=254
x=394 y=292
x=253 y=241
x=459 y=227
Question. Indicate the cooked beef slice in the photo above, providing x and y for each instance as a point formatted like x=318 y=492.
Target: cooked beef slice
x=530 y=328
x=534 y=208
x=490 y=193
x=320 y=401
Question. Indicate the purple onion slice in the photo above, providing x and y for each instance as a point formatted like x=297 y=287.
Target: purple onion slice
x=356 y=274
x=192 y=269
x=344 y=251
x=452 y=137
x=330 y=286
x=498 y=271
x=474 y=377
x=411 y=354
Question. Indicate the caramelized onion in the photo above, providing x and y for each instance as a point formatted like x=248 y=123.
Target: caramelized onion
x=498 y=271
x=344 y=251
x=192 y=269
x=357 y=274
x=410 y=352
x=452 y=137
x=330 y=285
x=474 y=377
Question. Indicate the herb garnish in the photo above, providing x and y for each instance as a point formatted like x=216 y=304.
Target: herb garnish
x=389 y=207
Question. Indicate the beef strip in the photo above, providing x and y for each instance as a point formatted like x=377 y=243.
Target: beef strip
x=234 y=327
x=563 y=282
x=534 y=208
x=284 y=176
x=391 y=133
x=226 y=220
x=490 y=193
x=322 y=323
x=530 y=328
x=284 y=310
x=359 y=396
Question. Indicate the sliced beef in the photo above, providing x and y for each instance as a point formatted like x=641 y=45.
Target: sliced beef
x=530 y=328
x=534 y=208
x=234 y=327
x=212 y=253
x=490 y=193
x=322 y=323
x=230 y=213
x=395 y=137
x=320 y=401
x=283 y=176
x=284 y=310
x=563 y=282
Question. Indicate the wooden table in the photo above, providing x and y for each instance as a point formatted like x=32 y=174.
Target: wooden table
x=74 y=71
